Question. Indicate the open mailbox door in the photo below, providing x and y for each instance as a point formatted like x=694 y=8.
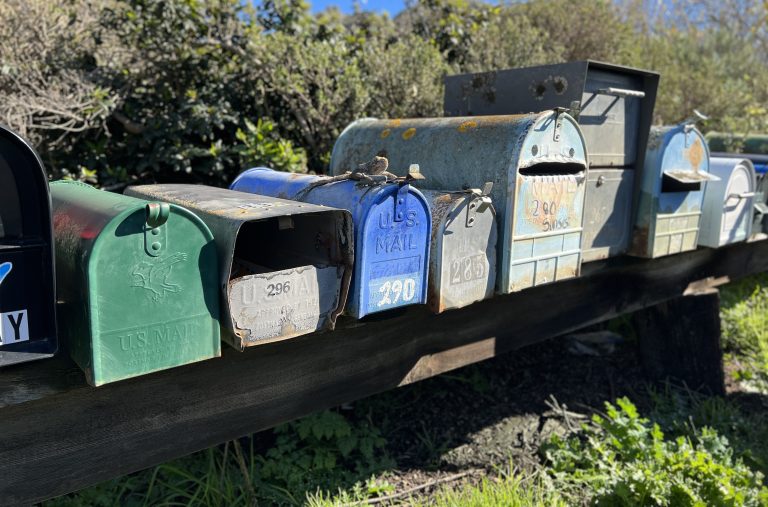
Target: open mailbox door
x=27 y=288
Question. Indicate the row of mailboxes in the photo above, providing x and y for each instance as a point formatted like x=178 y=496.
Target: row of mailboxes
x=411 y=246
x=536 y=162
x=285 y=266
x=613 y=106
x=392 y=227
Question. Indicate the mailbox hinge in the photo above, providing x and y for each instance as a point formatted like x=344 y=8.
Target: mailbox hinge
x=559 y=122
x=401 y=201
x=155 y=237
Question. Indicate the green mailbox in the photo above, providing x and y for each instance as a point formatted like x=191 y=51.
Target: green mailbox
x=137 y=283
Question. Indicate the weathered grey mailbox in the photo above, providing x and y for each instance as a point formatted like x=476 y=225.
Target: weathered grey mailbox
x=27 y=289
x=285 y=266
x=674 y=178
x=614 y=108
x=536 y=162
x=462 y=258
x=727 y=211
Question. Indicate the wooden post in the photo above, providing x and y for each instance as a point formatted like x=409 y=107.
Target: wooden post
x=680 y=340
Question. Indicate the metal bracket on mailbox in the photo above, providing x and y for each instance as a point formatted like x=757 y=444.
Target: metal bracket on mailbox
x=154 y=232
x=481 y=201
x=558 y=122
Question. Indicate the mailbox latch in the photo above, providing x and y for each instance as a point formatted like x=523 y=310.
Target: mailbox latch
x=155 y=237
x=481 y=200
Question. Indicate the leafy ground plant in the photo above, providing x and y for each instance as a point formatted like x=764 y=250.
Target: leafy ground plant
x=624 y=459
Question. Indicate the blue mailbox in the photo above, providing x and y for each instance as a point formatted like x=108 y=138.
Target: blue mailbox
x=675 y=175
x=392 y=231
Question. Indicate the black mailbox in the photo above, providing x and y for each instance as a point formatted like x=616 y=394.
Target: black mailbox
x=27 y=291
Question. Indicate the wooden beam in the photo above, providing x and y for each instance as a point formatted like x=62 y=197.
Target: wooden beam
x=58 y=435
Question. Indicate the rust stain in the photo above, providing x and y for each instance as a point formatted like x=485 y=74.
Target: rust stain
x=409 y=133
x=467 y=125
x=385 y=133
x=695 y=154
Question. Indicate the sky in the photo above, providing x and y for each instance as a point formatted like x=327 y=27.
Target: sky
x=347 y=6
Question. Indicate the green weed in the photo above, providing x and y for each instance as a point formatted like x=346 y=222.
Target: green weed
x=624 y=459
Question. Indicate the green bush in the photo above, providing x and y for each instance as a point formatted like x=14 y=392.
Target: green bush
x=623 y=459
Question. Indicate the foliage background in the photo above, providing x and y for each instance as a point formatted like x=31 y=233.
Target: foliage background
x=119 y=91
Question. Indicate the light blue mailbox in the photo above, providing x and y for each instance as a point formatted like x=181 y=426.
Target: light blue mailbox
x=675 y=175
x=392 y=231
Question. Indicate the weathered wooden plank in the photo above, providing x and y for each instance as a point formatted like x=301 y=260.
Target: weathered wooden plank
x=58 y=435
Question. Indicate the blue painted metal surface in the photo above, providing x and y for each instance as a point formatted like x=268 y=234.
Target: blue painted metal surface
x=674 y=178
x=537 y=163
x=392 y=232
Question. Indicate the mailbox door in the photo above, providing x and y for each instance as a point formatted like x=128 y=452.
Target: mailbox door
x=170 y=291
x=680 y=189
x=27 y=289
x=463 y=256
x=737 y=206
x=607 y=213
x=547 y=206
x=394 y=252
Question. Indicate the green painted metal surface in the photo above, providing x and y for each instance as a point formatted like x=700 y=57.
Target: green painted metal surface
x=137 y=283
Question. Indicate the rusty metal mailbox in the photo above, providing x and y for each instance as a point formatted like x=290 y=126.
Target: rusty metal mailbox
x=462 y=258
x=27 y=290
x=675 y=175
x=614 y=107
x=392 y=227
x=727 y=210
x=285 y=266
x=136 y=283
x=536 y=162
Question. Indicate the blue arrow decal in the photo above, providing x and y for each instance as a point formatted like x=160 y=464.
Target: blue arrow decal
x=5 y=268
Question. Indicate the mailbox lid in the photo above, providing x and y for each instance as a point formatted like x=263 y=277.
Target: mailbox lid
x=286 y=266
x=27 y=285
x=139 y=283
x=607 y=213
x=462 y=267
x=728 y=202
x=674 y=177
x=616 y=102
x=392 y=254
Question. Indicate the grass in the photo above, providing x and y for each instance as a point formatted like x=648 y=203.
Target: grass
x=685 y=449
x=744 y=316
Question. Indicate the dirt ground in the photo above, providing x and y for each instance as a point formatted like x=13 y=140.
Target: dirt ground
x=468 y=423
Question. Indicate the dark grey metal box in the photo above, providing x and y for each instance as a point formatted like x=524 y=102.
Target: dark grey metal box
x=614 y=108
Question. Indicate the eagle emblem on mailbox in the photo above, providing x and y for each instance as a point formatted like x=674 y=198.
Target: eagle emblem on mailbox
x=155 y=276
